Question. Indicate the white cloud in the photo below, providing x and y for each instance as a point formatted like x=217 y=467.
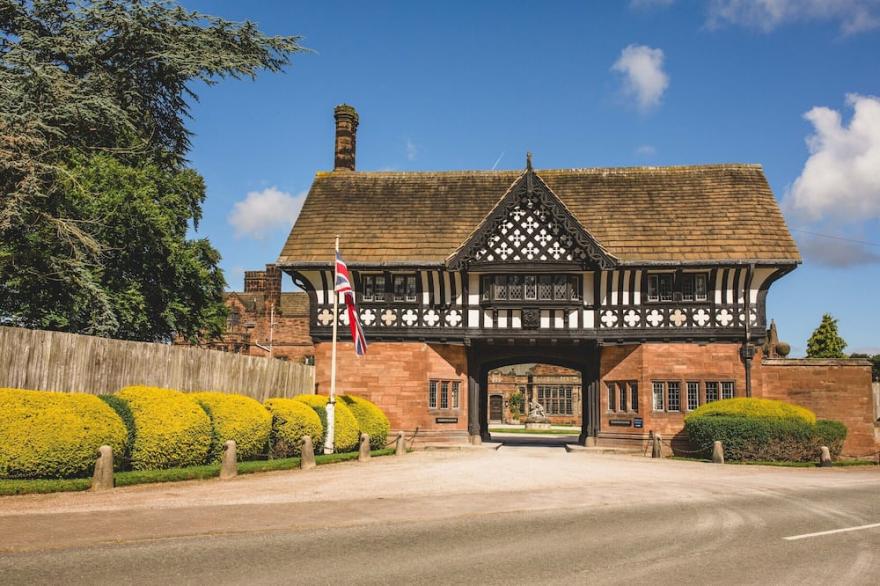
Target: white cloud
x=646 y=150
x=837 y=253
x=854 y=16
x=264 y=211
x=412 y=150
x=644 y=78
x=841 y=178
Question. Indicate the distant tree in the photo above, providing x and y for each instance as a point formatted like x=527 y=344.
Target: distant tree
x=96 y=199
x=826 y=341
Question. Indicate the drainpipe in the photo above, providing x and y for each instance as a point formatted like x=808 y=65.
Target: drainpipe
x=748 y=350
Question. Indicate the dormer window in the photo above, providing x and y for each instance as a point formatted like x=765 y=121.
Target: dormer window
x=660 y=287
x=374 y=287
x=693 y=287
x=405 y=288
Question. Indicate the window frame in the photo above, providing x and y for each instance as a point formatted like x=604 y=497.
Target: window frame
x=379 y=295
x=405 y=297
x=444 y=391
x=496 y=289
x=688 y=404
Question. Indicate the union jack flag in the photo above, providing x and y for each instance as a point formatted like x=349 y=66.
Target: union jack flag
x=343 y=285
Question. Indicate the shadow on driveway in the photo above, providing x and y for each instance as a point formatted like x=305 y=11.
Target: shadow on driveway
x=533 y=441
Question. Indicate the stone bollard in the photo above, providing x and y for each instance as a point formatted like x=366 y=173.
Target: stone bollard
x=657 y=446
x=717 y=453
x=364 y=451
x=307 y=454
x=825 y=457
x=102 y=479
x=400 y=445
x=229 y=461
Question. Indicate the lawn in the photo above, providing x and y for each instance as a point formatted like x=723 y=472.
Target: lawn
x=132 y=477
x=552 y=430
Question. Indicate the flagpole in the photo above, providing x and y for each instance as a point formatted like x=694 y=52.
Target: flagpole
x=331 y=403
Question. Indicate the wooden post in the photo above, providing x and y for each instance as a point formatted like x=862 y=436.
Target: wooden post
x=229 y=461
x=718 y=452
x=364 y=451
x=307 y=454
x=102 y=479
x=400 y=445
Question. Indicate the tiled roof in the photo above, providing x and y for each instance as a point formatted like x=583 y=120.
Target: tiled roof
x=652 y=214
x=292 y=304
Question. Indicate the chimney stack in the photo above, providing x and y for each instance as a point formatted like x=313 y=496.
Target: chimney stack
x=346 y=135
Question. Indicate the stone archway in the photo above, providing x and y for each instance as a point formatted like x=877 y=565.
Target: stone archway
x=485 y=356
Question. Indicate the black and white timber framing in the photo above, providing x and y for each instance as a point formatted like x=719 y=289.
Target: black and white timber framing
x=530 y=233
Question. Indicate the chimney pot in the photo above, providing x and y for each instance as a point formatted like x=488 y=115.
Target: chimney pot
x=346 y=135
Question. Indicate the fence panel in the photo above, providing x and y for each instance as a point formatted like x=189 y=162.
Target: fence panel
x=55 y=361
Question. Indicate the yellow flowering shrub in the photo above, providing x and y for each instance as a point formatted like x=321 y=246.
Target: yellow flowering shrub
x=53 y=435
x=347 y=432
x=291 y=421
x=171 y=429
x=371 y=420
x=750 y=407
x=239 y=418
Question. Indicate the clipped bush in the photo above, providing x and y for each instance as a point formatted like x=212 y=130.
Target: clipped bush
x=171 y=429
x=236 y=417
x=832 y=434
x=371 y=420
x=54 y=435
x=347 y=432
x=748 y=407
x=122 y=460
x=291 y=421
x=765 y=438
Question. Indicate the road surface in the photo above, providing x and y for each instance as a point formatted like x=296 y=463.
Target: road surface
x=515 y=515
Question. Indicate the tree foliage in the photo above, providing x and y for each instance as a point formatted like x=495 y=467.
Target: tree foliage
x=96 y=197
x=826 y=341
x=875 y=364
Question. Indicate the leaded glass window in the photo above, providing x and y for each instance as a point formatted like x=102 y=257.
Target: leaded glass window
x=693 y=395
x=711 y=391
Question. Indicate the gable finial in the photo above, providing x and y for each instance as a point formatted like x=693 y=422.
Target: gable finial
x=528 y=161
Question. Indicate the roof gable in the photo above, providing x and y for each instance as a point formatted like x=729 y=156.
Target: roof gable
x=530 y=225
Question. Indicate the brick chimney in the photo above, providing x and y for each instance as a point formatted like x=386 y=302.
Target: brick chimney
x=346 y=135
x=267 y=282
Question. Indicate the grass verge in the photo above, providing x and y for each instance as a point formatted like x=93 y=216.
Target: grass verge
x=552 y=430
x=837 y=464
x=132 y=477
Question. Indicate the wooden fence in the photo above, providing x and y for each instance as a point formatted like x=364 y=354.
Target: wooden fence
x=54 y=361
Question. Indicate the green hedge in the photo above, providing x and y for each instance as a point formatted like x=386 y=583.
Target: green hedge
x=371 y=420
x=346 y=433
x=765 y=438
x=171 y=429
x=54 y=435
x=291 y=421
x=748 y=407
x=236 y=417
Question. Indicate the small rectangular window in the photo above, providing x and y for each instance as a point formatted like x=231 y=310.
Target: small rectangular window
x=444 y=395
x=545 y=288
x=687 y=287
x=486 y=283
x=612 y=394
x=658 y=396
x=711 y=391
x=515 y=288
x=455 y=394
x=700 y=289
x=634 y=396
x=374 y=287
x=405 y=288
x=531 y=287
x=693 y=398
x=660 y=287
x=727 y=390
x=622 y=388
x=573 y=288
x=560 y=288
x=499 y=289
x=432 y=394
x=673 y=399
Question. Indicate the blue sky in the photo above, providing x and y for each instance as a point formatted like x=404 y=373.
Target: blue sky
x=460 y=85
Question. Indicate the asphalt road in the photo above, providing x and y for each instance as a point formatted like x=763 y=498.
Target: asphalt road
x=650 y=524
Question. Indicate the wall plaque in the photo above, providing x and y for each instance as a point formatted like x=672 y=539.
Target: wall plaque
x=620 y=422
x=446 y=420
x=638 y=423
x=531 y=318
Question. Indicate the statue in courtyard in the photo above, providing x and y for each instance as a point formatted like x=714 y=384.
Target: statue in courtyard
x=536 y=410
